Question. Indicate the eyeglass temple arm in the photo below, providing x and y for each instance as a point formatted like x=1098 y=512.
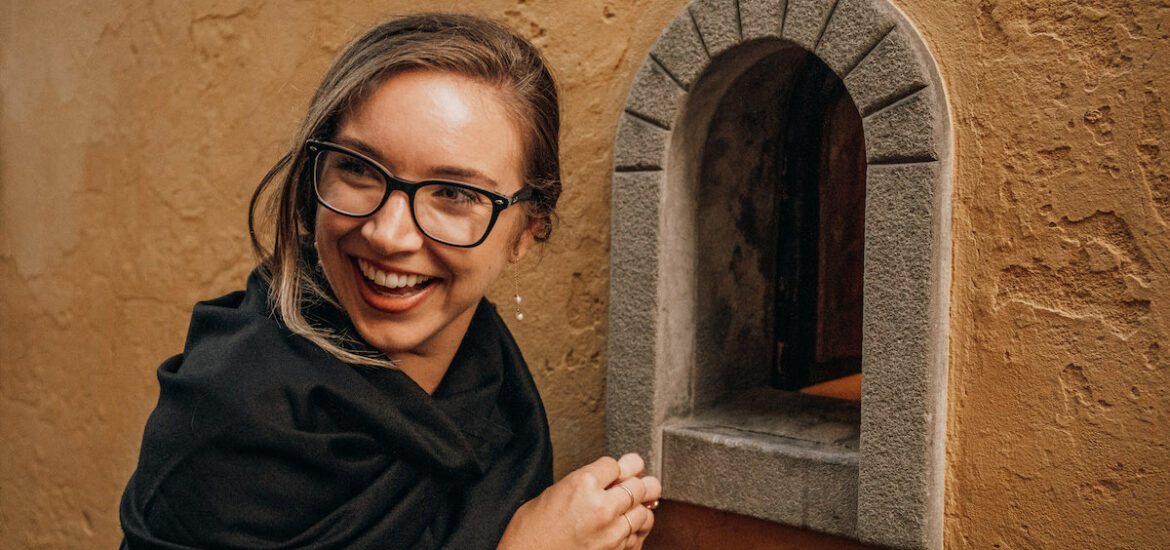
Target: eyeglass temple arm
x=522 y=195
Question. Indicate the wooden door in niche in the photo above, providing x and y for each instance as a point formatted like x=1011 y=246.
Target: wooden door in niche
x=820 y=212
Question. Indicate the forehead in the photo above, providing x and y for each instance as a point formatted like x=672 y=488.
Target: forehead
x=420 y=120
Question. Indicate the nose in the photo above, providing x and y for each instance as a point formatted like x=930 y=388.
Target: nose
x=391 y=229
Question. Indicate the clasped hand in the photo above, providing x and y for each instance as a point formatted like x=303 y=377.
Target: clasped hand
x=600 y=506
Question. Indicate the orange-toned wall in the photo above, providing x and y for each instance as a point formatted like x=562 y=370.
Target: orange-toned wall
x=1059 y=416
x=132 y=132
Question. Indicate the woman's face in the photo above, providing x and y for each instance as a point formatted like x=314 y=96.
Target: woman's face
x=423 y=125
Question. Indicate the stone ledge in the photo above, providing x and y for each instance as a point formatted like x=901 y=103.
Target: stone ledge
x=776 y=463
x=806 y=420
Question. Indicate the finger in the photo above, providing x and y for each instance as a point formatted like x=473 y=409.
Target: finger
x=647 y=524
x=653 y=490
x=642 y=538
x=631 y=542
x=631 y=465
x=625 y=495
x=639 y=517
x=629 y=492
x=642 y=520
x=600 y=473
x=624 y=530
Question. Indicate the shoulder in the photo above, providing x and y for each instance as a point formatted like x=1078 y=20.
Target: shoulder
x=236 y=341
x=239 y=366
x=244 y=415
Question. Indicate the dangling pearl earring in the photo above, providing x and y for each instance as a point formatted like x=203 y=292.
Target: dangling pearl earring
x=516 y=279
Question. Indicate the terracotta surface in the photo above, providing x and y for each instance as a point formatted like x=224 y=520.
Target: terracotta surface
x=683 y=526
x=131 y=134
x=847 y=387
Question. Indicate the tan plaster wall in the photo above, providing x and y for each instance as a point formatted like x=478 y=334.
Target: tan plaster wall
x=132 y=132
x=1059 y=417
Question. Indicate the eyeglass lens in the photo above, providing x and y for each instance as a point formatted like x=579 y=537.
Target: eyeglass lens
x=447 y=212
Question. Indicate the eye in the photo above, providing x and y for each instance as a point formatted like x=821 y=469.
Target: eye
x=456 y=194
x=355 y=167
x=352 y=172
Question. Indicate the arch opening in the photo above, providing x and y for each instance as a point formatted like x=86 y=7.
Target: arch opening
x=780 y=193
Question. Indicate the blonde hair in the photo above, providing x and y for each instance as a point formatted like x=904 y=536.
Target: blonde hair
x=460 y=44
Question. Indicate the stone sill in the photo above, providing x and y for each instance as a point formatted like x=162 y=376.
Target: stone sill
x=774 y=455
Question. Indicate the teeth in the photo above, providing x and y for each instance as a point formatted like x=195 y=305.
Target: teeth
x=389 y=280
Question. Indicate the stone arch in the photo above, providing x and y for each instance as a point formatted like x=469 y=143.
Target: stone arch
x=888 y=488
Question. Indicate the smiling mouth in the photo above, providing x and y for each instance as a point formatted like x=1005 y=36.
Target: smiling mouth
x=389 y=283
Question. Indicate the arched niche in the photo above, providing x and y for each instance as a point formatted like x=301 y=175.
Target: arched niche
x=676 y=392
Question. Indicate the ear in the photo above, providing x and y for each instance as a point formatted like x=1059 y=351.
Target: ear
x=523 y=241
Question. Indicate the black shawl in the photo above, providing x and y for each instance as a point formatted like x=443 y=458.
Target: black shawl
x=262 y=440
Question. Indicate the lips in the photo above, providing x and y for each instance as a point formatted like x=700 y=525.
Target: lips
x=392 y=291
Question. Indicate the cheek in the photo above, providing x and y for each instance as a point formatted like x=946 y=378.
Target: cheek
x=327 y=234
x=322 y=238
x=330 y=228
x=476 y=268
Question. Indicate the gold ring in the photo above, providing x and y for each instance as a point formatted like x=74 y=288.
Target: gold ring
x=630 y=523
x=633 y=500
x=652 y=505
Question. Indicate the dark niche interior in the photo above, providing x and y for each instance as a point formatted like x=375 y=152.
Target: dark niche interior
x=780 y=229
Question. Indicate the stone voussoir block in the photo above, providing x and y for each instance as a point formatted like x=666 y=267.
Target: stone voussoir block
x=890 y=71
x=804 y=21
x=640 y=145
x=855 y=28
x=904 y=131
x=761 y=18
x=654 y=94
x=718 y=24
x=680 y=50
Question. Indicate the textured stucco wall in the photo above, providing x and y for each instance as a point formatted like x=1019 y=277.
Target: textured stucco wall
x=131 y=134
x=1059 y=417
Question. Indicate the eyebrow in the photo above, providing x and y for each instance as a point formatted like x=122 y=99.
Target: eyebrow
x=442 y=171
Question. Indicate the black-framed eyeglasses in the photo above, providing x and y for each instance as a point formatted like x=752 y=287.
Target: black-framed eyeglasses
x=450 y=212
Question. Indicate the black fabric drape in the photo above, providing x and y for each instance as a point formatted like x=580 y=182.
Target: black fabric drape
x=262 y=440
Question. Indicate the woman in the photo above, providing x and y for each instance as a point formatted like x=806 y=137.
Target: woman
x=361 y=393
